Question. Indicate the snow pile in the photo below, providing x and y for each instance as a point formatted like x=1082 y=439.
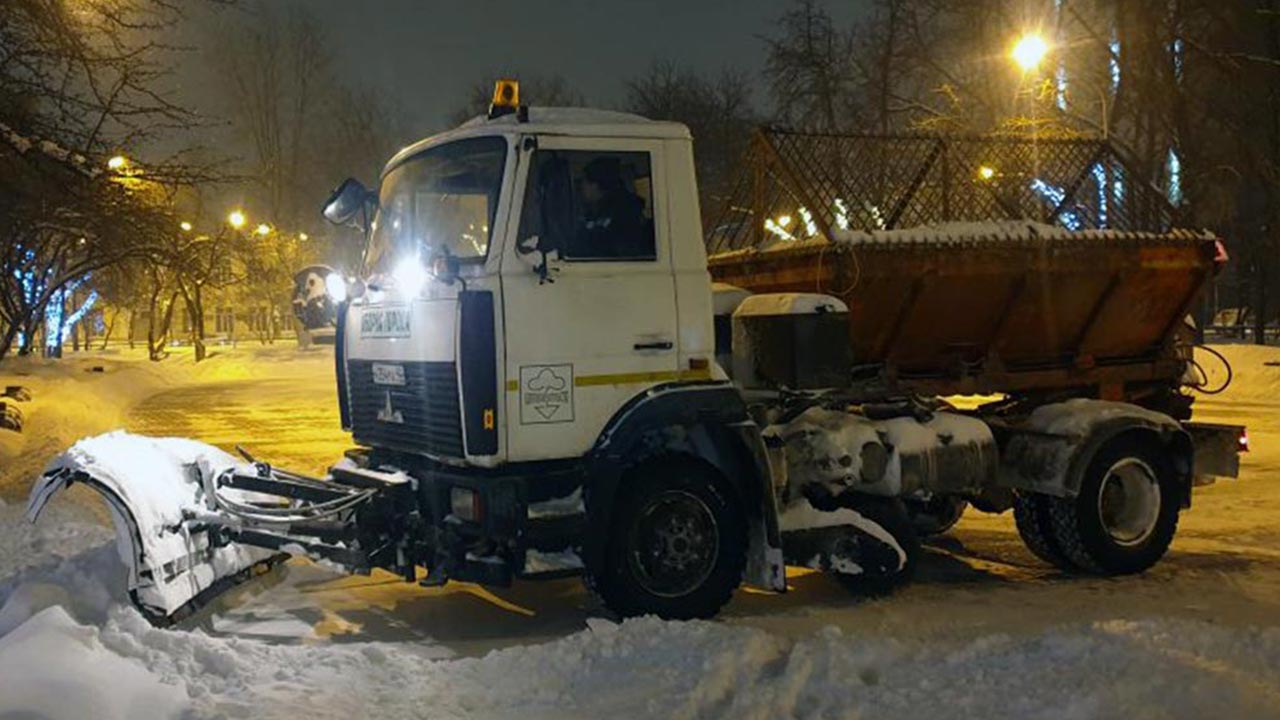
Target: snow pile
x=53 y=667
x=68 y=560
x=647 y=668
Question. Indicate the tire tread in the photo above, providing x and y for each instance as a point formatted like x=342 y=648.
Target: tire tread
x=1031 y=517
x=612 y=589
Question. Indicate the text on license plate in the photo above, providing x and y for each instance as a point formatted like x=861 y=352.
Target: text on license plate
x=388 y=374
x=385 y=322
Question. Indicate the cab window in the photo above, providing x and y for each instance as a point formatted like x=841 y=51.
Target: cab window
x=591 y=205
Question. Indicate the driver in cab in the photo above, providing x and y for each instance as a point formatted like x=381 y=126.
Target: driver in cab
x=613 y=222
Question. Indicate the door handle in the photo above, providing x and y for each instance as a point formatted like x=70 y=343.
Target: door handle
x=655 y=345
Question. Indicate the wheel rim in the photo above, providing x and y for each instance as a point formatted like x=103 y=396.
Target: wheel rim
x=674 y=544
x=1129 y=502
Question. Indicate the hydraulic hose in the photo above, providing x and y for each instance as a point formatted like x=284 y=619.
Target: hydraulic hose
x=1200 y=386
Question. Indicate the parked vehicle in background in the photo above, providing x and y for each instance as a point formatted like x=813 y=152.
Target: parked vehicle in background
x=314 y=304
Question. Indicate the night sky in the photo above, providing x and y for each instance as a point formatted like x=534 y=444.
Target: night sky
x=427 y=54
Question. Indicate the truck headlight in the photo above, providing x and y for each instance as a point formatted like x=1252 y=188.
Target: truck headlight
x=410 y=277
x=336 y=287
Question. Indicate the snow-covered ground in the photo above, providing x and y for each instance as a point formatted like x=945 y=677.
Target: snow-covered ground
x=987 y=631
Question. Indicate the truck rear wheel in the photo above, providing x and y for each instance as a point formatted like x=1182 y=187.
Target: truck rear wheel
x=1035 y=527
x=677 y=546
x=1126 y=513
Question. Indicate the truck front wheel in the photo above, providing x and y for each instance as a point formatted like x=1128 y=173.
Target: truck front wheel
x=677 y=544
x=1125 y=515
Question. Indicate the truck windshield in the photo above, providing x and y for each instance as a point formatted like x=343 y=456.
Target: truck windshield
x=442 y=199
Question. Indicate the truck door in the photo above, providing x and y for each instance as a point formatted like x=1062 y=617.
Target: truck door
x=601 y=326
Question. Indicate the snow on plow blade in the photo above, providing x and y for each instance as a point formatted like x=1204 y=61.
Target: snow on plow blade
x=152 y=487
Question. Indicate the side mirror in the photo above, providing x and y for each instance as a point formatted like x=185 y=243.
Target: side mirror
x=349 y=200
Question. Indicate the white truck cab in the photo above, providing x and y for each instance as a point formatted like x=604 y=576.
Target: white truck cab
x=534 y=325
x=576 y=234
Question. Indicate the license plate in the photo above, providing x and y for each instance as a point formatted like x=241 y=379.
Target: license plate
x=388 y=374
x=385 y=322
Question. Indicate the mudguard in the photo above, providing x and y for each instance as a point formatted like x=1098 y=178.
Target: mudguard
x=148 y=484
x=718 y=429
x=1051 y=451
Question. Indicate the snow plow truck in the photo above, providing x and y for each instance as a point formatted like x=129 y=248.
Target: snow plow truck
x=544 y=373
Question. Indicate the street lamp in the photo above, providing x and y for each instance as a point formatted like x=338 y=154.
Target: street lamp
x=186 y=226
x=1029 y=51
x=236 y=219
x=263 y=229
x=117 y=163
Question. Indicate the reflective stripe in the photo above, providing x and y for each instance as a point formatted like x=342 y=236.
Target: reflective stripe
x=630 y=378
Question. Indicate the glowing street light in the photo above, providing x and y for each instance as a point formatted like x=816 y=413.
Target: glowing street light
x=236 y=219
x=263 y=229
x=1029 y=51
x=986 y=172
x=117 y=163
x=186 y=226
x=303 y=236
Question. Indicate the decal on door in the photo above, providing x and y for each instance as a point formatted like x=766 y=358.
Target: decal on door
x=546 y=394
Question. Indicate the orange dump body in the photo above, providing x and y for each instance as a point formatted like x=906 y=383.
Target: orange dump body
x=955 y=313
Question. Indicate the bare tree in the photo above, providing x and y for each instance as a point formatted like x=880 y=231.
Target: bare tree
x=276 y=67
x=810 y=72
x=77 y=82
x=717 y=110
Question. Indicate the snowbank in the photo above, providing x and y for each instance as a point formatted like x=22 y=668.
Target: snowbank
x=67 y=644
x=71 y=399
x=647 y=668
x=53 y=667
x=68 y=560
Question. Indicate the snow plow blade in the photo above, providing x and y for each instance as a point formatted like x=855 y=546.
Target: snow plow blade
x=152 y=486
x=191 y=520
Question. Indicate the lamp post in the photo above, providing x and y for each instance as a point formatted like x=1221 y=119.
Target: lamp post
x=1029 y=51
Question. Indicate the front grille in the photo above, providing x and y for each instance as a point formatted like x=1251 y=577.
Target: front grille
x=422 y=417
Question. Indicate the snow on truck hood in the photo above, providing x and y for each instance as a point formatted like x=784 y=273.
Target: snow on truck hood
x=147 y=484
